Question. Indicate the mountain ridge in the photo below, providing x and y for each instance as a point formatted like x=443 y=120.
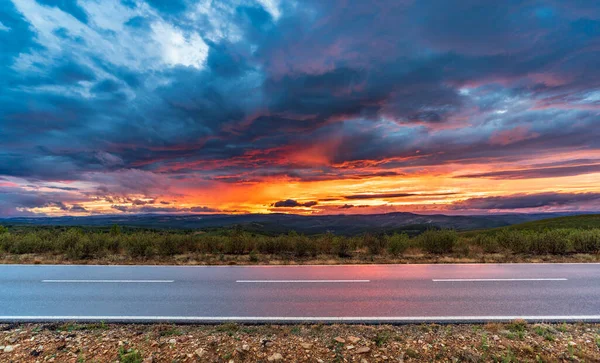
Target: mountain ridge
x=346 y=224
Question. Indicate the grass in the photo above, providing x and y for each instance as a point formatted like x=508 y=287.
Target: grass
x=554 y=237
x=544 y=332
x=130 y=356
x=381 y=338
x=171 y=331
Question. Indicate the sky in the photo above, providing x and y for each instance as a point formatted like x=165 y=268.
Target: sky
x=308 y=107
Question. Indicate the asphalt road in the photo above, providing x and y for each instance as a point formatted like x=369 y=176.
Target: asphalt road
x=363 y=293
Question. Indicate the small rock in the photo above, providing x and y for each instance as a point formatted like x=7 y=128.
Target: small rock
x=572 y=343
x=340 y=340
x=320 y=361
x=172 y=341
x=121 y=343
x=148 y=360
x=364 y=361
x=275 y=358
x=349 y=347
x=495 y=337
x=245 y=347
x=200 y=352
x=9 y=348
x=353 y=339
x=306 y=345
x=266 y=343
x=1 y=347
x=362 y=350
x=231 y=361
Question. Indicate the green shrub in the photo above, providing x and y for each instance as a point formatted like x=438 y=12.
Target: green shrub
x=3 y=230
x=397 y=244
x=555 y=242
x=515 y=241
x=85 y=248
x=69 y=238
x=438 y=242
x=140 y=244
x=586 y=241
x=341 y=247
x=375 y=244
x=29 y=243
x=130 y=356
x=115 y=230
x=112 y=244
x=488 y=243
x=304 y=246
x=253 y=256
x=167 y=245
x=462 y=247
x=275 y=245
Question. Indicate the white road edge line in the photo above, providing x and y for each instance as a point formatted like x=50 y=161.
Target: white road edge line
x=302 y=318
x=300 y=281
x=483 y=280
x=110 y=281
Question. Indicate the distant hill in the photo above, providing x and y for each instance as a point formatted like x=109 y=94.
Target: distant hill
x=283 y=223
x=587 y=221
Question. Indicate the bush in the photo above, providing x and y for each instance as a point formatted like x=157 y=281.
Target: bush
x=130 y=356
x=77 y=243
x=3 y=230
x=341 y=247
x=304 y=246
x=375 y=244
x=167 y=246
x=397 y=244
x=28 y=243
x=275 y=245
x=115 y=230
x=488 y=243
x=555 y=242
x=515 y=241
x=85 y=248
x=253 y=256
x=438 y=242
x=586 y=241
x=69 y=238
x=140 y=244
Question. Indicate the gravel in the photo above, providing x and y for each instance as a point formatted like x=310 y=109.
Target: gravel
x=516 y=341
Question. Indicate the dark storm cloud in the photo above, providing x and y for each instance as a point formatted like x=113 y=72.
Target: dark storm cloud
x=18 y=201
x=77 y=208
x=162 y=209
x=537 y=173
x=521 y=201
x=394 y=195
x=290 y=203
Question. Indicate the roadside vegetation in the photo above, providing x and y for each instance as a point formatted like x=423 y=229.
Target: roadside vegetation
x=239 y=245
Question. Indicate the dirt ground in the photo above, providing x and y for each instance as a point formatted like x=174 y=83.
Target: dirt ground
x=210 y=259
x=511 y=342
